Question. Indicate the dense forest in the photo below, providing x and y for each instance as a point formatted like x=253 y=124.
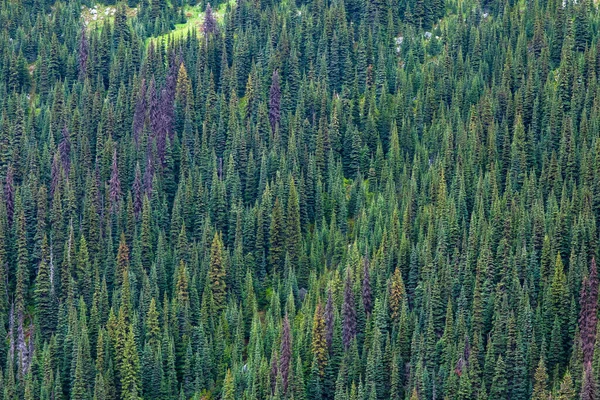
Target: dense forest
x=299 y=199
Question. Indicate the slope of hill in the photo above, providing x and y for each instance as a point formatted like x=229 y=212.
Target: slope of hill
x=308 y=200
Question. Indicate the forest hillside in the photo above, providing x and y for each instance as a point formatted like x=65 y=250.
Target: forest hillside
x=299 y=199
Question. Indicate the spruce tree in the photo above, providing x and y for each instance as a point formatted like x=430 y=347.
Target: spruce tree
x=217 y=274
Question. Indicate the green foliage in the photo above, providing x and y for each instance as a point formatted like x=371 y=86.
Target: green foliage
x=183 y=190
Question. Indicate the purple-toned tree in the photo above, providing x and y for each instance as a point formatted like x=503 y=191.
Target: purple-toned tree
x=210 y=21
x=64 y=149
x=588 y=387
x=138 y=191
x=588 y=316
x=348 y=314
x=9 y=194
x=84 y=49
x=286 y=353
x=367 y=298
x=139 y=115
x=274 y=101
x=114 y=184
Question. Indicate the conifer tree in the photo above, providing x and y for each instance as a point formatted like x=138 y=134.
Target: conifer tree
x=228 y=389
x=276 y=239
x=22 y=279
x=45 y=296
x=274 y=101
x=210 y=21
x=589 y=390
x=122 y=260
x=293 y=234
x=319 y=341
x=115 y=184
x=348 y=314
x=285 y=359
x=499 y=387
x=566 y=390
x=83 y=271
x=366 y=287
x=217 y=274
x=397 y=293
x=540 y=381
x=588 y=315
x=130 y=368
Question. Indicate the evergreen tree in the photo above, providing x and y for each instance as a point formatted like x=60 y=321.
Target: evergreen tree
x=319 y=341
x=276 y=239
x=45 y=295
x=130 y=368
x=217 y=274
x=499 y=387
x=540 y=381
x=348 y=314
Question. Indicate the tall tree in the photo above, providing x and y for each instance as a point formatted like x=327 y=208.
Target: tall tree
x=348 y=313
x=217 y=273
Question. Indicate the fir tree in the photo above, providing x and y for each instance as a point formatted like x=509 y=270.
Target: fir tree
x=217 y=273
x=130 y=368
x=45 y=296
x=274 y=101
x=276 y=239
x=348 y=314
x=319 y=341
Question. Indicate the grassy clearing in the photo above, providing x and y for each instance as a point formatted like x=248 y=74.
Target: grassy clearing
x=95 y=16
x=194 y=18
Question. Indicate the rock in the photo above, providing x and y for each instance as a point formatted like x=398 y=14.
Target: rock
x=399 y=41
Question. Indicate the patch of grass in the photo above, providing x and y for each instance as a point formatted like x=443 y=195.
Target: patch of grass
x=194 y=19
x=95 y=16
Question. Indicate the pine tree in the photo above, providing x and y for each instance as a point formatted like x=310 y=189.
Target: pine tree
x=22 y=284
x=540 y=382
x=217 y=274
x=130 y=368
x=114 y=184
x=152 y=325
x=293 y=231
x=274 y=101
x=45 y=295
x=319 y=341
x=285 y=359
x=589 y=390
x=276 y=239
x=348 y=314
x=210 y=22
x=566 y=391
x=499 y=387
x=83 y=271
x=588 y=314
x=122 y=260
x=559 y=306
x=314 y=390
x=366 y=287
x=228 y=388
x=397 y=293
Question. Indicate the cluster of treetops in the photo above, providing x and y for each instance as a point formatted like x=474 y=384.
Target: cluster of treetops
x=308 y=200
